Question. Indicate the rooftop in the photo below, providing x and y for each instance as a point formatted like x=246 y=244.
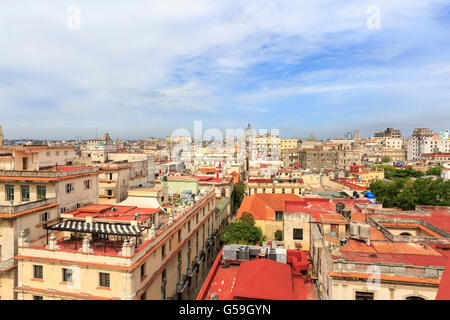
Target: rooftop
x=261 y=279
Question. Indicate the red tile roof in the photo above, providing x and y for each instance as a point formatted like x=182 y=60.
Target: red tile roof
x=444 y=286
x=263 y=205
x=263 y=279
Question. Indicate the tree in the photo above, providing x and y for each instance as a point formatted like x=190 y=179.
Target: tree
x=385 y=159
x=243 y=231
x=247 y=217
x=238 y=195
x=406 y=193
x=434 y=171
x=278 y=235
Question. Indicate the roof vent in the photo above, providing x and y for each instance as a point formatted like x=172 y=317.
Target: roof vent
x=114 y=209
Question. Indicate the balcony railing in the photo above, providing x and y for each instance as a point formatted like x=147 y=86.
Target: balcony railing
x=12 y=208
x=45 y=174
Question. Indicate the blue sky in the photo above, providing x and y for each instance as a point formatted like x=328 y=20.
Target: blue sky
x=145 y=68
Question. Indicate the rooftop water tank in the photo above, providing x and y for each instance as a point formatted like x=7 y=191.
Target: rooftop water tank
x=354 y=229
x=364 y=231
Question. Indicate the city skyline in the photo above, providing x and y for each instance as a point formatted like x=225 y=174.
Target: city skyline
x=327 y=68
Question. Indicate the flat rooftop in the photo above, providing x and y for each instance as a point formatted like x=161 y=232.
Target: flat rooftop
x=256 y=279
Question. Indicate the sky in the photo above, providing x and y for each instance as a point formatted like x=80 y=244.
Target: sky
x=139 y=69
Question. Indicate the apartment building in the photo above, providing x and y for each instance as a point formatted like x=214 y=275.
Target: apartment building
x=389 y=133
x=378 y=254
x=256 y=185
x=286 y=144
x=1 y=138
x=422 y=143
x=124 y=252
x=30 y=199
x=35 y=157
x=267 y=211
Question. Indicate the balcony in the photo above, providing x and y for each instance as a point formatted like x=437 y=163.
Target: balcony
x=13 y=208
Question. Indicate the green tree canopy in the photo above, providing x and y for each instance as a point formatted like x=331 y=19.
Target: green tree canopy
x=435 y=171
x=238 y=195
x=242 y=231
x=406 y=193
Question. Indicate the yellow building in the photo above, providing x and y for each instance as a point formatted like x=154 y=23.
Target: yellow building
x=123 y=252
x=30 y=199
x=286 y=144
x=269 y=186
x=267 y=211
x=35 y=157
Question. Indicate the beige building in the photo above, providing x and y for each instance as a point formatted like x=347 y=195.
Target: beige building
x=31 y=199
x=269 y=186
x=35 y=157
x=125 y=253
x=1 y=138
x=286 y=144
x=390 y=257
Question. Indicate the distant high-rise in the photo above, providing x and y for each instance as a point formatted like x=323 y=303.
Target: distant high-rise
x=443 y=133
x=311 y=137
x=389 y=133
x=349 y=135
x=356 y=135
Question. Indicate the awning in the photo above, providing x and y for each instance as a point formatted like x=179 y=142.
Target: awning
x=120 y=229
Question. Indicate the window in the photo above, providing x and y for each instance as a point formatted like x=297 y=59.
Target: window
x=44 y=217
x=360 y=295
x=87 y=184
x=104 y=279
x=25 y=193
x=9 y=192
x=37 y=272
x=48 y=153
x=163 y=285
x=414 y=298
x=189 y=226
x=109 y=192
x=109 y=176
x=70 y=187
x=57 y=153
x=143 y=270
x=278 y=215
x=66 y=153
x=62 y=210
x=298 y=234
x=41 y=192
x=67 y=275
x=163 y=251
x=179 y=236
x=38 y=298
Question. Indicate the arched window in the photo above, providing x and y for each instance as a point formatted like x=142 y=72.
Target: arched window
x=414 y=298
x=223 y=193
x=406 y=234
